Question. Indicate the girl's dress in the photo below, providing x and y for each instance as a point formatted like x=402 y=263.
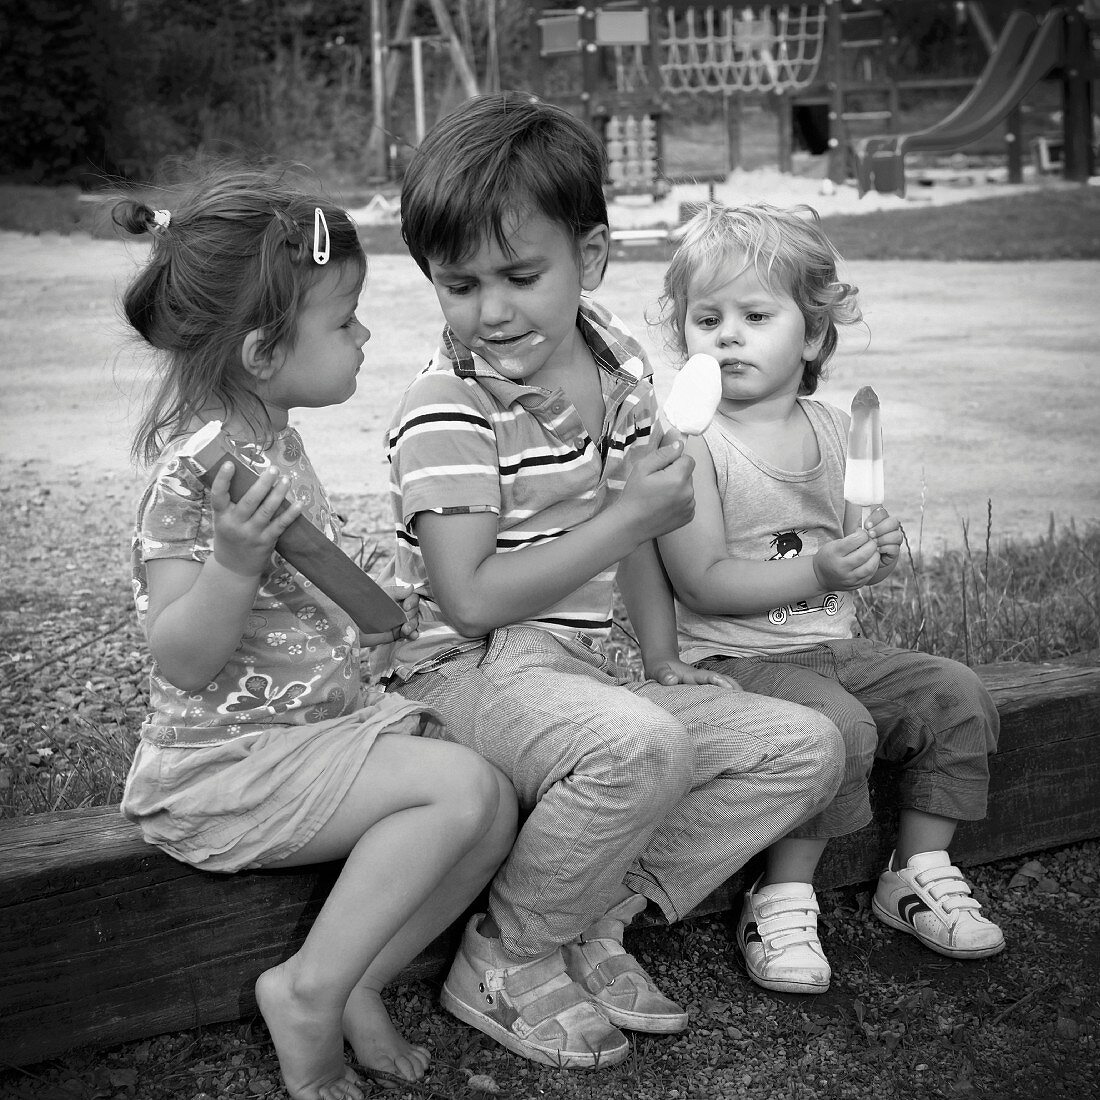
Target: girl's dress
x=243 y=772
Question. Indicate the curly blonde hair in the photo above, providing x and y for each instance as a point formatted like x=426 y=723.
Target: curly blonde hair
x=786 y=247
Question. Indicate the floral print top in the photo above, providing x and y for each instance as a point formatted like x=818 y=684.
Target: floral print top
x=298 y=661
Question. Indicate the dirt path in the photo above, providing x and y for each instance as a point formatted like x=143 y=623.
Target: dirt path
x=986 y=374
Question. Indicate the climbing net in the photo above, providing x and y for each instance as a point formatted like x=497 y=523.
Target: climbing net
x=731 y=50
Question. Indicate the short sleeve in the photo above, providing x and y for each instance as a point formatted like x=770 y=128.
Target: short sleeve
x=443 y=448
x=175 y=519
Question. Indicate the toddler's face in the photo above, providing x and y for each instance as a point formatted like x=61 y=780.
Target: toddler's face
x=518 y=309
x=756 y=332
x=321 y=368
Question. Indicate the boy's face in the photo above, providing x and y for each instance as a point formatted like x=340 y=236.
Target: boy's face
x=518 y=310
x=756 y=332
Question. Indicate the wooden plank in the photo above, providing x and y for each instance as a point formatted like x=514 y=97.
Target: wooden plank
x=104 y=939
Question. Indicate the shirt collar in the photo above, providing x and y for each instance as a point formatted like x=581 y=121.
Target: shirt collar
x=613 y=348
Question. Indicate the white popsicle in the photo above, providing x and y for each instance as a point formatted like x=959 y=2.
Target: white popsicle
x=864 y=481
x=695 y=394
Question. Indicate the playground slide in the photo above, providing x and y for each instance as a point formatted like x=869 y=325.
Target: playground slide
x=1025 y=53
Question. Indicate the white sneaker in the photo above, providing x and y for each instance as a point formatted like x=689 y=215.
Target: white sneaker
x=930 y=899
x=777 y=935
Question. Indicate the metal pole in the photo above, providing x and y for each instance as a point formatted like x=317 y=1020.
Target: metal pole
x=417 y=44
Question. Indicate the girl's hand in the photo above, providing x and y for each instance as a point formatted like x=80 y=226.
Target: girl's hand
x=847 y=563
x=675 y=671
x=245 y=532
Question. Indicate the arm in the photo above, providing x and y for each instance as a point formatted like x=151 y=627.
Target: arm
x=197 y=612
x=479 y=589
x=652 y=613
x=710 y=582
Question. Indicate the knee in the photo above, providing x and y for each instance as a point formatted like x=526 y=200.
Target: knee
x=656 y=754
x=480 y=801
x=860 y=738
x=818 y=745
x=964 y=700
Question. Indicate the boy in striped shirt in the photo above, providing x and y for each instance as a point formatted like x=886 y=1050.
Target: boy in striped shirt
x=528 y=473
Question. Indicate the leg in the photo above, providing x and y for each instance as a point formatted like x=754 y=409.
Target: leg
x=762 y=767
x=598 y=768
x=415 y=814
x=938 y=722
x=367 y=1024
x=764 y=756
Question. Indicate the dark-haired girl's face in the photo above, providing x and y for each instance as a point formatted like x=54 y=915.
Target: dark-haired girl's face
x=320 y=368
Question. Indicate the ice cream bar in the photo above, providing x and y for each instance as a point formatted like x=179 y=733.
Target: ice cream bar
x=302 y=544
x=695 y=394
x=863 y=474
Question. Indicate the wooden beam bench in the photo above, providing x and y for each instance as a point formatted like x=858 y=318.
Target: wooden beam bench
x=104 y=939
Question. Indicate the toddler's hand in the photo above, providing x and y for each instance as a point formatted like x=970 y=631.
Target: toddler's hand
x=886 y=531
x=245 y=532
x=675 y=672
x=847 y=563
x=659 y=491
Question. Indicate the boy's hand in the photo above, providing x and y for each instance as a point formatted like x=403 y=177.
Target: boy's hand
x=659 y=491
x=675 y=671
x=847 y=563
x=245 y=533
x=411 y=629
x=411 y=606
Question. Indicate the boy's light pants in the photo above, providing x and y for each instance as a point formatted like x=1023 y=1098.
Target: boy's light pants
x=670 y=789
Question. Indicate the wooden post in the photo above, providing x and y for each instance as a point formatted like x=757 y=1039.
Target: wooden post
x=1014 y=139
x=834 y=60
x=395 y=58
x=458 y=55
x=1077 y=155
x=733 y=114
x=377 y=161
x=783 y=124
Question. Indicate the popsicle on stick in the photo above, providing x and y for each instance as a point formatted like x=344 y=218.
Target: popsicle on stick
x=302 y=544
x=695 y=394
x=864 y=484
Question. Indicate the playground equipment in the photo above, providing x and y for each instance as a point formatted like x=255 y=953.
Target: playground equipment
x=1026 y=52
x=830 y=64
x=622 y=60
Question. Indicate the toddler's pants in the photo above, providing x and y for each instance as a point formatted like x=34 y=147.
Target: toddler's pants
x=668 y=789
x=931 y=716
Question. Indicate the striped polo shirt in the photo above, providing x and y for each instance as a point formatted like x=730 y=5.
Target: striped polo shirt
x=466 y=439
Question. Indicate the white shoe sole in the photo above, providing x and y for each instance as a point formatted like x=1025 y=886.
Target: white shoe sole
x=648 y=1022
x=887 y=917
x=780 y=985
x=547 y=1056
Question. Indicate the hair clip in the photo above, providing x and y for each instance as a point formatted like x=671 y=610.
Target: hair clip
x=162 y=218
x=320 y=255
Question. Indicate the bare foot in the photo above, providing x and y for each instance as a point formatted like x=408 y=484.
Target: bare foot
x=378 y=1045
x=309 y=1045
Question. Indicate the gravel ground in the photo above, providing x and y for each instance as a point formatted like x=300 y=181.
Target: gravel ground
x=898 y=1020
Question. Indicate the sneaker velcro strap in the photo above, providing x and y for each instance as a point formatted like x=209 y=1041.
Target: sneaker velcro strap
x=768 y=908
x=607 y=970
x=526 y=977
x=947 y=885
x=552 y=1004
